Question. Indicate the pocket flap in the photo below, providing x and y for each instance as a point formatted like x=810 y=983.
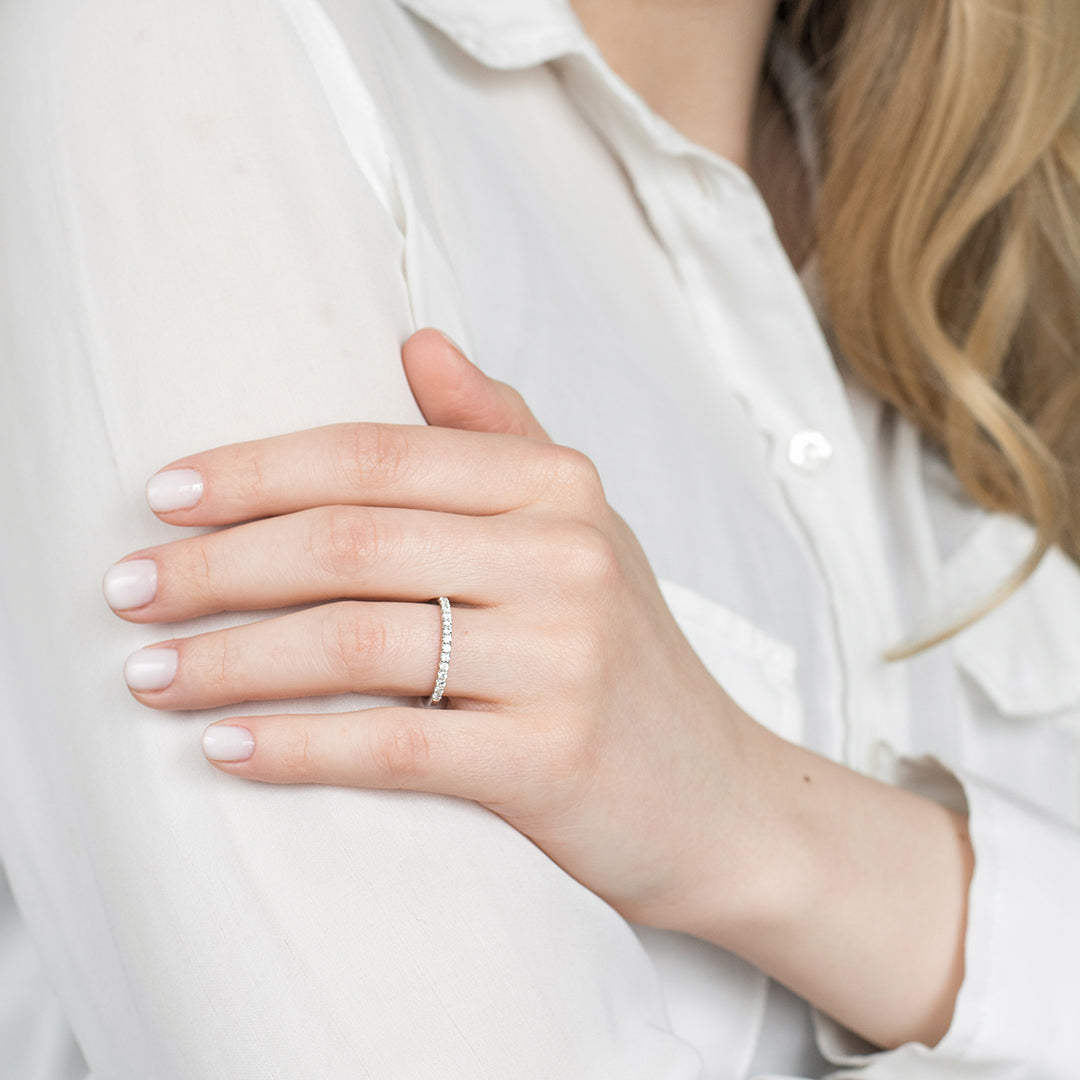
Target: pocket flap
x=1025 y=654
x=755 y=669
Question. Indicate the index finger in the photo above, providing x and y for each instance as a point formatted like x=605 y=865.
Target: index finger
x=401 y=465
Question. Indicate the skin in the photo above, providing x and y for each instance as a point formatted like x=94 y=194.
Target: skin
x=696 y=62
x=699 y=64
x=579 y=712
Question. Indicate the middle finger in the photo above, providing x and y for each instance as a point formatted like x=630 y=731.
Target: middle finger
x=334 y=552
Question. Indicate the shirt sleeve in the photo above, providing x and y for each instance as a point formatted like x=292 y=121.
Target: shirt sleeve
x=35 y=1039
x=192 y=254
x=1016 y=1013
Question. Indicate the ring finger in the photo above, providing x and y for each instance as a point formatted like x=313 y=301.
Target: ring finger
x=376 y=648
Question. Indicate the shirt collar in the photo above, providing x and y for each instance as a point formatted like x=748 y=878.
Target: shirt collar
x=517 y=34
x=506 y=34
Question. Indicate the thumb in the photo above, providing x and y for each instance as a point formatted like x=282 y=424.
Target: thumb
x=452 y=392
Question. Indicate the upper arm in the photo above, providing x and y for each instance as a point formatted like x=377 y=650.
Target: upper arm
x=240 y=276
x=192 y=255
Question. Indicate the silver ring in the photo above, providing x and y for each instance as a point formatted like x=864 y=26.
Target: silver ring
x=444 y=655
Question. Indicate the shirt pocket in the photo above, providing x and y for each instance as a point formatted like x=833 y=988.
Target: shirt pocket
x=754 y=668
x=1019 y=666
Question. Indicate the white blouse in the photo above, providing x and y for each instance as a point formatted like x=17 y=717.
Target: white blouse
x=219 y=219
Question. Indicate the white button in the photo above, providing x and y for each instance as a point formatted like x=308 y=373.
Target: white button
x=809 y=451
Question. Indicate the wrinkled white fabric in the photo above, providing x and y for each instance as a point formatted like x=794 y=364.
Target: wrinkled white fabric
x=219 y=219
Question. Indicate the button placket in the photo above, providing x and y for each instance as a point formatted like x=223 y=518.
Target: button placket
x=750 y=304
x=826 y=477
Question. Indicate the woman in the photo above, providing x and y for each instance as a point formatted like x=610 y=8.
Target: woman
x=652 y=805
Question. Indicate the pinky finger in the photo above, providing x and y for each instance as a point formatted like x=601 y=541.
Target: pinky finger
x=473 y=755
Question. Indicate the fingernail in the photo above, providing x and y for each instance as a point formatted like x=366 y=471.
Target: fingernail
x=130 y=584
x=224 y=742
x=450 y=341
x=174 y=489
x=151 y=669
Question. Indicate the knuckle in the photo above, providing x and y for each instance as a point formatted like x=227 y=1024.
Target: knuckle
x=222 y=672
x=295 y=755
x=372 y=456
x=213 y=664
x=512 y=413
x=203 y=572
x=589 y=559
x=345 y=540
x=564 y=756
x=570 y=476
x=249 y=479
x=582 y=661
x=402 y=753
x=512 y=396
x=353 y=640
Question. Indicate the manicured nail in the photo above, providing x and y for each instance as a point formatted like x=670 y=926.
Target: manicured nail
x=130 y=584
x=151 y=669
x=224 y=742
x=174 y=489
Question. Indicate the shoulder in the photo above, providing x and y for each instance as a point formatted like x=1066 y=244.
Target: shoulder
x=199 y=75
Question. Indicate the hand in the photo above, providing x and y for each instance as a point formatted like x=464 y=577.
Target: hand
x=578 y=711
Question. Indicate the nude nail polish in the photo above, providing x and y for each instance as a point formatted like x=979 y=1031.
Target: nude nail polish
x=227 y=742
x=174 y=489
x=151 y=669
x=130 y=584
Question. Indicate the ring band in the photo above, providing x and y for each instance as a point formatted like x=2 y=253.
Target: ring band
x=444 y=654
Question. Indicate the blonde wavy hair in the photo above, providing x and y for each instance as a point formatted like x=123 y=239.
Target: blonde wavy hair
x=948 y=237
